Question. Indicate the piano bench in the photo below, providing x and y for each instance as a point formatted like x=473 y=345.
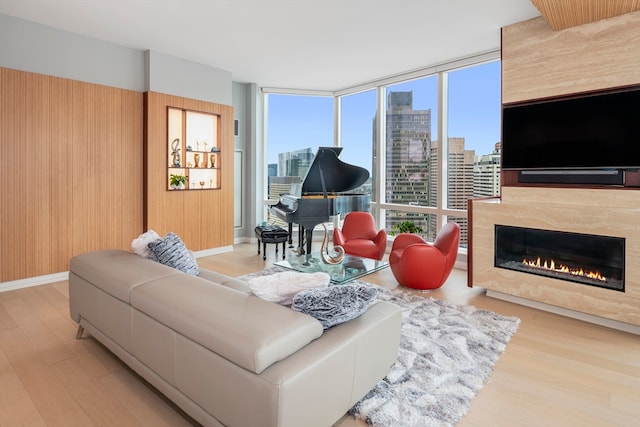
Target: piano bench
x=271 y=234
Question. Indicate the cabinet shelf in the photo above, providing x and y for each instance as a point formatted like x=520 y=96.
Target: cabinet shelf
x=201 y=167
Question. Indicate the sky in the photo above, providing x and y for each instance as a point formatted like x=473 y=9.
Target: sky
x=298 y=122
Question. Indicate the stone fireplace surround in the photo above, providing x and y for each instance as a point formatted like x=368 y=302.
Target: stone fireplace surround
x=592 y=57
x=608 y=212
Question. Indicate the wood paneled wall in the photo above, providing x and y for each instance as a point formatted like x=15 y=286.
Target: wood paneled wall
x=202 y=218
x=72 y=181
x=538 y=62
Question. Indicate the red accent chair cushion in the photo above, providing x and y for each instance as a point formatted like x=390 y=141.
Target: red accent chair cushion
x=421 y=265
x=360 y=237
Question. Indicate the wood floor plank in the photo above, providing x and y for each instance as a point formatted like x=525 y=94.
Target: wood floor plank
x=62 y=288
x=145 y=403
x=5 y=366
x=6 y=321
x=55 y=405
x=16 y=406
x=93 y=357
x=53 y=297
x=519 y=406
x=97 y=402
x=34 y=318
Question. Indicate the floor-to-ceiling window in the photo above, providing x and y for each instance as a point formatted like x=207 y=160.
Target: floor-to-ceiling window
x=357 y=136
x=473 y=119
x=410 y=141
x=296 y=125
x=411 y=179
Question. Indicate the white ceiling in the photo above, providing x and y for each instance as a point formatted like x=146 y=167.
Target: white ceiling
x=295 y=44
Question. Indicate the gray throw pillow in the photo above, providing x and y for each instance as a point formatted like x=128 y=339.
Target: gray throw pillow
x=170 y=250
x=335 y=304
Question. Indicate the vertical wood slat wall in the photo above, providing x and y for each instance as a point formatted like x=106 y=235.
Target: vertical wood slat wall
x=202 y=218
x=71 y=171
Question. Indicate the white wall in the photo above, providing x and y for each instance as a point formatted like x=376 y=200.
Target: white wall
x=27 y=46
x=36 y=48
x=247 y=102
x=175 y=76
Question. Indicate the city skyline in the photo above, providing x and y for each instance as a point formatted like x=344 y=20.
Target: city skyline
x=299 y=122
x=410 y=163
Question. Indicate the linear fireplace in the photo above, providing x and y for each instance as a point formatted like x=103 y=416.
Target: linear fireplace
x=582 y=258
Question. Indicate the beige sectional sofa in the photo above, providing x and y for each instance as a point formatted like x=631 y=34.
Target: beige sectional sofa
x=220 y=353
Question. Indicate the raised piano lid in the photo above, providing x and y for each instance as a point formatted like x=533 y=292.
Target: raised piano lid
x=330 y=175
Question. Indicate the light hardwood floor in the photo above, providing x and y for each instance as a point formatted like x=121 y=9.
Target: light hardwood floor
x=555 y=371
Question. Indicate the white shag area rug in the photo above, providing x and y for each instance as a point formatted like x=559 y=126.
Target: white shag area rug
x=447 y=353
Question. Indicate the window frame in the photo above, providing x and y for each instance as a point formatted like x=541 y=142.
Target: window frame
x=441 y=71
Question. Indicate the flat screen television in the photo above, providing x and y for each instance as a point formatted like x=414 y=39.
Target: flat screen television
x=594 y=131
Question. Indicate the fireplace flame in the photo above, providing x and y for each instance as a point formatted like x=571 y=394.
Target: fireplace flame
x=561 y=268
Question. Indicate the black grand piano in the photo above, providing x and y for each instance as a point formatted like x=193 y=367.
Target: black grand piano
x=323 y=193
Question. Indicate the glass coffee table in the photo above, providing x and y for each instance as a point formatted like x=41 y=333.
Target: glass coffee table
x=351 y=267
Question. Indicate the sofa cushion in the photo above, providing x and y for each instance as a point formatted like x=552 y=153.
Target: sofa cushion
x=242 y=328
x=335 y=304
x=170 y=250
x=117 y=272
x=140 y=244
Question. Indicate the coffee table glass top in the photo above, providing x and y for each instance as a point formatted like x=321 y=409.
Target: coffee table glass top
x=351 y=267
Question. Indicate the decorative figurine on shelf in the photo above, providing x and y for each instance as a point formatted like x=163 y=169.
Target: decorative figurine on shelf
x=205 y=145
x=214 y=149
x=196 y=160
x=212 y=160
x=175 y=147
x=197 y=145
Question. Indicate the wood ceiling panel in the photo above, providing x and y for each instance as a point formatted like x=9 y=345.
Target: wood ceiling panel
x=561 y=14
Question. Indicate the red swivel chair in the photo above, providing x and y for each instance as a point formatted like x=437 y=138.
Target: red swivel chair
x=360 y=237
x=421 y=265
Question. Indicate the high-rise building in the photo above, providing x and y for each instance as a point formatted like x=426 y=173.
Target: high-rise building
x=412 y=167
x=295 y=163
x=459 y=182
x=408 y=133
x=486 y=174
x=291 y=169
x=459 y=174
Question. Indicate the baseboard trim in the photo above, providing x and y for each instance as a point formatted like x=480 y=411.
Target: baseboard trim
x=33 y=281
x=602 y=321
x=213 y=251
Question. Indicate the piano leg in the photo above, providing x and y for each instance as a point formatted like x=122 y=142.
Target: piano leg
x=309 y=237
x=290 y=235
x=301 y=234
x=305 y=238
